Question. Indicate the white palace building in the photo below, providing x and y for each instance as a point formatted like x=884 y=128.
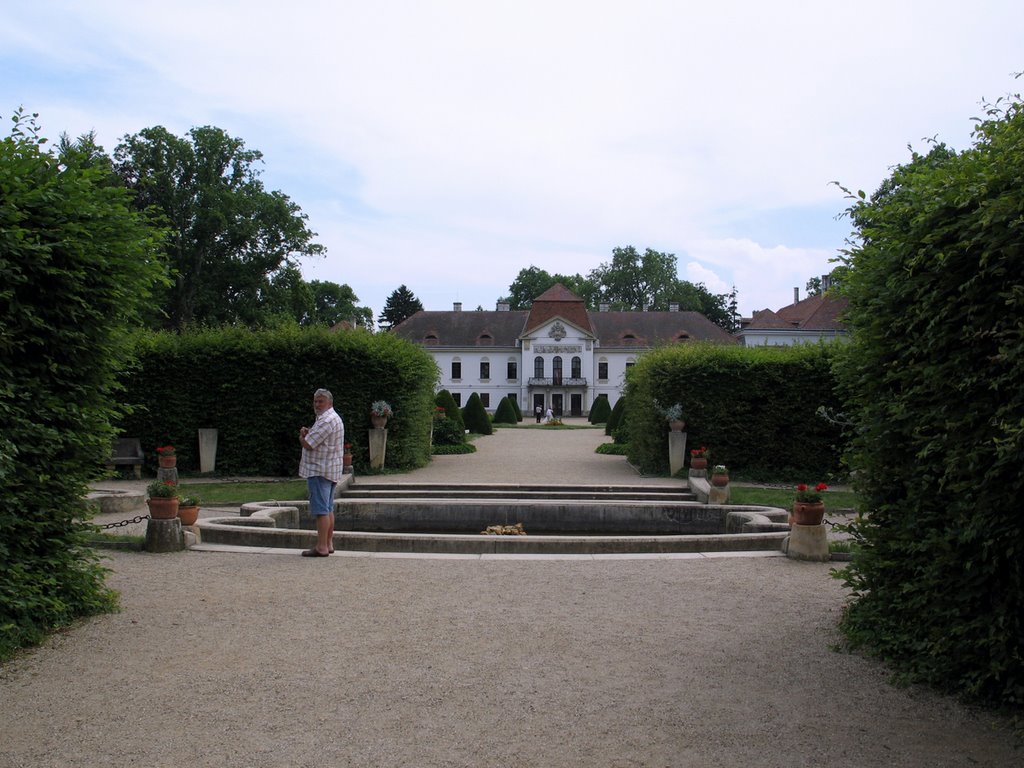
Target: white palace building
x=554 y=355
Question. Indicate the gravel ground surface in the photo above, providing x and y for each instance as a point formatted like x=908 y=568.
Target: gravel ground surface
x=222 y=659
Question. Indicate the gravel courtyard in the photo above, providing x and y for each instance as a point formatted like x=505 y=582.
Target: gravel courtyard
x=225 y=659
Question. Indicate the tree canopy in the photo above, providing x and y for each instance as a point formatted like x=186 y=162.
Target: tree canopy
x=631 y=281
x=400 y=305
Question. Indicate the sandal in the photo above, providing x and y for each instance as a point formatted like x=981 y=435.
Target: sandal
x=313 y=553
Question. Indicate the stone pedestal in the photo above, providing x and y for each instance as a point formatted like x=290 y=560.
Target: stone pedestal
x=378 y=447
x=207 y=450
x=168 y=475
x=164 y=536
x=718 y=494
x=808 y=542
x=676 y=451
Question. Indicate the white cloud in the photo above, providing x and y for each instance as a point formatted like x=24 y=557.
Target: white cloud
x=447 y=145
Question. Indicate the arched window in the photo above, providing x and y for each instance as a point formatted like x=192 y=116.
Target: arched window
x=556 y=371
x=577 y=368
x=538 y=367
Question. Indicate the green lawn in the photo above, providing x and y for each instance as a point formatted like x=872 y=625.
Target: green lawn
x=242 y=492
x=783 y=497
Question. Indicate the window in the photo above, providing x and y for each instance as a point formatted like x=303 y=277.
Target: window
x=456 y=370
x=630 y=364
x=513 y=370
x=577 y=368
x=485 y=398
x=602 y=370
x=556 y=371
x=457 y=397
x=485 y=370
x=538 y=367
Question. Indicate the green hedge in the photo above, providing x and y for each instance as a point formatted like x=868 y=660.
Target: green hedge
x=256 y=389
x=753 y=406
x=600 y=410
x=475 y=417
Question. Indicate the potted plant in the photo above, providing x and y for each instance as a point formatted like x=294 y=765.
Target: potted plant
x=380 y=412
x=346 y=458
x=188 y=510
x=674 y=416
x=808 y=506
x=163 y=500
x=166 y=457
x=699 y=458
x=720 y=476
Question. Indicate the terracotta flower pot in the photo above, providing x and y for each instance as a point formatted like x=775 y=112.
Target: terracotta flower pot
x=379 y=422
x=676 y=425
x=161 y=508
x=720 y=480
x=808 y=513
x=698 y=463
x=167 y=462
x=188 y=515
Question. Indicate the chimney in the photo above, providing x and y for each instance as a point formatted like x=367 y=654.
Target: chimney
x=503 y=306
x=826 y=282
x=457 y=306
x=796 y=295
x=602 y=307
x=673 y=306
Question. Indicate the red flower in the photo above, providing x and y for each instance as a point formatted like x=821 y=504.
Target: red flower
x=802 y=487
x=821 y=487
x=165 y=450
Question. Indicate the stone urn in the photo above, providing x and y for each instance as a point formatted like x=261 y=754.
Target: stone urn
x=676 y=425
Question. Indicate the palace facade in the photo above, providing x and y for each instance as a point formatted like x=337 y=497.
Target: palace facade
x=556 y=354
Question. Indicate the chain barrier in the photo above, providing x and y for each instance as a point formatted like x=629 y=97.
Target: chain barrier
x=123 y=523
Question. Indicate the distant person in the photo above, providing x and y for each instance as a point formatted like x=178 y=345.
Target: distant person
x=538 y=411
x=322 y=464
x=548 y=416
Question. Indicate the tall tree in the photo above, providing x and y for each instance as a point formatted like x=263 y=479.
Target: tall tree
x=230 y=238
x=533 y=281
x=401 y=304
x=635 y=281
x=333 y=303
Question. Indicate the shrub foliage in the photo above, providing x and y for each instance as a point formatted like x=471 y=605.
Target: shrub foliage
x=75 y=265
x=600 y=411
x=756 y=407
x=256 y=388
x=475 y=416
x=505 y=413
x=934 y=380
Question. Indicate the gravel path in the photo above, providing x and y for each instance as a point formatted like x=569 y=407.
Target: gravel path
x=224 y=660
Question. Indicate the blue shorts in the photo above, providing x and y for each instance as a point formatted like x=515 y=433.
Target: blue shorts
x=321 y=495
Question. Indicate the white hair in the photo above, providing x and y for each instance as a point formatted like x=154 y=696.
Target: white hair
x=325 y=392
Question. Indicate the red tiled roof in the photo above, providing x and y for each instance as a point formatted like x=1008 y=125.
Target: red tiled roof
x=559 y=301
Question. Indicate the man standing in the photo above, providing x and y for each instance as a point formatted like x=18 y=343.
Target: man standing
x=322 y=465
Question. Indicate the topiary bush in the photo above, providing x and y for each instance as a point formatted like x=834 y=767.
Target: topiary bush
x=515 y=406
x=475 y=416
x=451 y=409
x=933 y=382
x=505 y=413
x=615 y=417
x=447 y=432
x=600 y=410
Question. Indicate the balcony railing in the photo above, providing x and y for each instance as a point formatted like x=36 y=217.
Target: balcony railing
x=556 y=381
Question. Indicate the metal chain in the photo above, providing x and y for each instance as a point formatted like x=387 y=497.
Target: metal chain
x=134 y=520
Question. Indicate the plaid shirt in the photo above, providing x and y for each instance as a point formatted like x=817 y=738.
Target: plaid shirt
x=327 y=436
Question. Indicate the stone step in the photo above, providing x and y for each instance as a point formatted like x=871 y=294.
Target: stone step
x=392 y=492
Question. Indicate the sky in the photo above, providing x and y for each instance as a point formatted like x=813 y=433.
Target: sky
x=447 y=144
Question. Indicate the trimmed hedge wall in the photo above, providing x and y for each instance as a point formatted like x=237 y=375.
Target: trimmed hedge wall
x=753 y=406
x=256 y=389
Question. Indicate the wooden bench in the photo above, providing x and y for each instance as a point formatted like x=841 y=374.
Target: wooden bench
x=127 y=451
